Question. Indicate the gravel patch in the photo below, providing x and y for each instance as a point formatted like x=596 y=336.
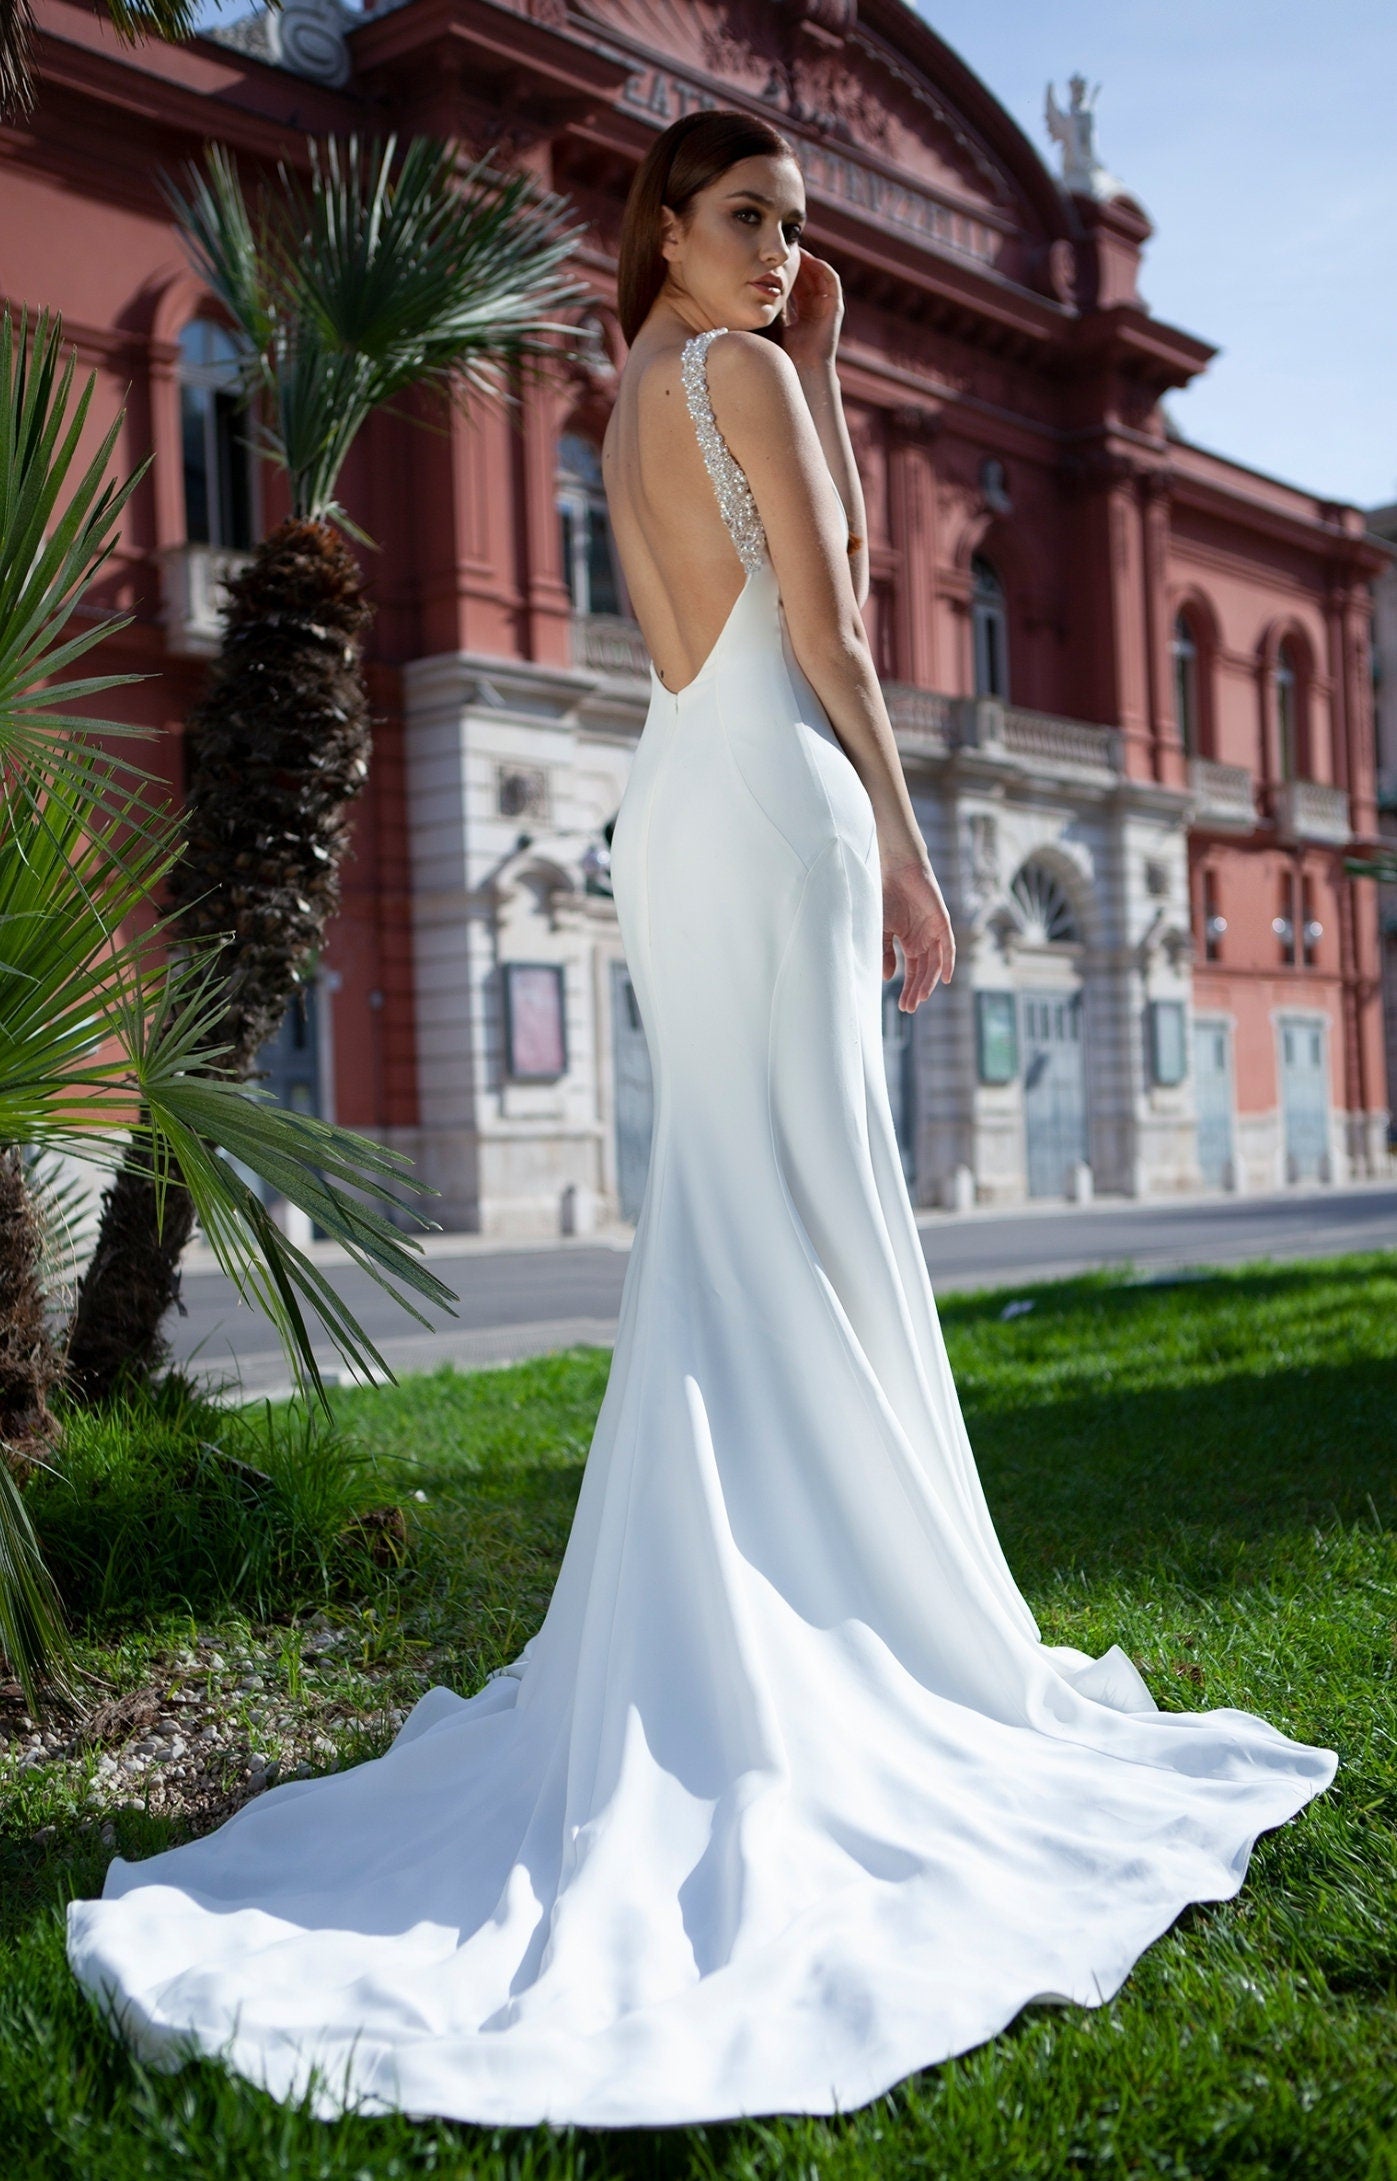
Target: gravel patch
x=211 y=1727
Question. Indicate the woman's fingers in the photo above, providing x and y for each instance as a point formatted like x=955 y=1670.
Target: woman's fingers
x=916 y=916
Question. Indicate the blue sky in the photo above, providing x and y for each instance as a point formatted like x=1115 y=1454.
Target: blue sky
x=1259 y=136
x=1260 y=139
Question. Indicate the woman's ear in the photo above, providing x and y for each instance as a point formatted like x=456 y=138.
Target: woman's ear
x=670 y=235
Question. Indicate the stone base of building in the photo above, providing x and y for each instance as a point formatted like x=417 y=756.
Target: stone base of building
x=535 y=1189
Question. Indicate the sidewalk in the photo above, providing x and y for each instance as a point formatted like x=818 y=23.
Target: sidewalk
x=198 y=1259
x=506 y=1319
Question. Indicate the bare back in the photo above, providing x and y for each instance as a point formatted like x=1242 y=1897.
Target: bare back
x=680 y=564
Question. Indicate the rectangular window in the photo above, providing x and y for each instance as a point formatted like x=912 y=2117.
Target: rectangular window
x=1283 y=924
x=1168 y=1064
x=234 y=473
x=1309 y=928
x=196 y=435
x=602 y=596
x=569 y=549
x=996 y=1037
x=1214 y=922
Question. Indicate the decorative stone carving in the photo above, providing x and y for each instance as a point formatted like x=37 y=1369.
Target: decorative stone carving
x=306 y=37
x=983 y=875
x=1163 y=936
x=1075 y=130
x=522 y=791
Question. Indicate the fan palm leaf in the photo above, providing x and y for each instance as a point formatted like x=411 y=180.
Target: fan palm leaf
x=379 y=274
x=109 y=1041
x=382 y=270
x=131 y=19
x=56 y=531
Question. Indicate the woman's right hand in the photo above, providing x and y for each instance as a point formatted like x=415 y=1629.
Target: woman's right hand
x=915 y=914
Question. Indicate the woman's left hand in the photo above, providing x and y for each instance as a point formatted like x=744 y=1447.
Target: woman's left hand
x=814 y=312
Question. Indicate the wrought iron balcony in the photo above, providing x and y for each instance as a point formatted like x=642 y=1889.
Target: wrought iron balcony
x=1224 y=795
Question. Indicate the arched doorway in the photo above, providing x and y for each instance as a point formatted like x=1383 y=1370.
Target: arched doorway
x=1051 y=1029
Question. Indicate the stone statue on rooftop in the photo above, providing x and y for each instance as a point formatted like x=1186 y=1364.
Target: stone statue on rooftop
x=1075 y=130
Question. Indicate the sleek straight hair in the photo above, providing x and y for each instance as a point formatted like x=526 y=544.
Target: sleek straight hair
x=691 y=153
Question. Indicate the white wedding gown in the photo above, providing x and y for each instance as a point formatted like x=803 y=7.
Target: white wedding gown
x=786 y=1798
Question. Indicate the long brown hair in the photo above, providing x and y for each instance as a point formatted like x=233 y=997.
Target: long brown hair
x=691 y=153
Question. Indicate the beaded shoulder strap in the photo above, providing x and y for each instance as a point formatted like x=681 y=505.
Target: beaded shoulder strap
x=735 y=502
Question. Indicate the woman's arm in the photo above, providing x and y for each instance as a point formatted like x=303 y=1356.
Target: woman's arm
x=820 y=385
x=761 y=411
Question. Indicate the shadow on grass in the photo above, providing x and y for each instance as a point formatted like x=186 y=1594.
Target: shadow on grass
x=1150 y=1481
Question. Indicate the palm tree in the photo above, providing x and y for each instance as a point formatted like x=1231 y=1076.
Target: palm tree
x=382 y=275
x=107 y=1034
x=131 y=19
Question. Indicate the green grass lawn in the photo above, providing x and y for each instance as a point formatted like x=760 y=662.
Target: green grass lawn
x=1204 y=1471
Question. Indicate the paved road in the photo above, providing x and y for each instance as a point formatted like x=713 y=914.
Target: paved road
x=529 y=1298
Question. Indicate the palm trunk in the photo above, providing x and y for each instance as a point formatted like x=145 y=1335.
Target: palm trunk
x=278 y=749
x=28 y=1365
x=131 y=1283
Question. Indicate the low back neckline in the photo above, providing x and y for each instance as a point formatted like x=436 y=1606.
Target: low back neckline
x=736 y=504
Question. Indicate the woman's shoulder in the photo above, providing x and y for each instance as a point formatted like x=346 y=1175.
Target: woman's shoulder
x=746 y=370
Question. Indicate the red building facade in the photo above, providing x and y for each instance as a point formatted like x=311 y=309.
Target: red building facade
x=1130 y=678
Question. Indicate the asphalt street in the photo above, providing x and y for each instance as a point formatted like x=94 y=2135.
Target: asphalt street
x=525 y=1299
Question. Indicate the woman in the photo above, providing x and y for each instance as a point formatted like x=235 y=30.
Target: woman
x=785 y=1798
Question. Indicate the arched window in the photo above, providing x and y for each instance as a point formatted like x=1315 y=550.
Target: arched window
x=589 y=554
x=989 y=622
x=1042 y=907
x=1287 y=679
x=213 y=431
x=1186 y=684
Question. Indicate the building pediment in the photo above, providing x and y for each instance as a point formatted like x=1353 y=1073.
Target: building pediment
x=879 y=127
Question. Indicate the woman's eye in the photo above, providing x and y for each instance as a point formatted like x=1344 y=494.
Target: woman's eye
x=793 y=228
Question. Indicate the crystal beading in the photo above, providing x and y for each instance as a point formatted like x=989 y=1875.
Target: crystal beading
x=735 y=502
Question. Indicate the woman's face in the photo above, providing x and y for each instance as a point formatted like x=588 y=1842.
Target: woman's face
x=735 y=256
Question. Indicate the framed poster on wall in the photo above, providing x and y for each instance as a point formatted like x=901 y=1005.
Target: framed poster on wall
x=535 y=1031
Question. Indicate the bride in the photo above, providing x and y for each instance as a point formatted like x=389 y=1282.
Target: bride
x=786 y=1798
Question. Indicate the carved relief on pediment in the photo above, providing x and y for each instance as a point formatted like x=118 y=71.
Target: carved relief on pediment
x=814 y=65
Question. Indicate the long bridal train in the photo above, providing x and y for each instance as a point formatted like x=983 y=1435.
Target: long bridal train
x=786 y=1798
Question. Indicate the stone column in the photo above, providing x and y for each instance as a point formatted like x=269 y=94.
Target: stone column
x=912 y=511
x=1167 y=762
x=1111 y=576
x=547 y=605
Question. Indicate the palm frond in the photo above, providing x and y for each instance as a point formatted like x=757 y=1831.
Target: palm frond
x=16 y=57
x=58 y=525
x=105 y=1027
x=131 y=20
x=63 y=1205
x=100 y=1035
x=136 y=19
x=33 y=1633
x=383 y=271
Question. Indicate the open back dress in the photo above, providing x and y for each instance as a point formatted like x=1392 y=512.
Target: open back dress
x=785 y=1798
